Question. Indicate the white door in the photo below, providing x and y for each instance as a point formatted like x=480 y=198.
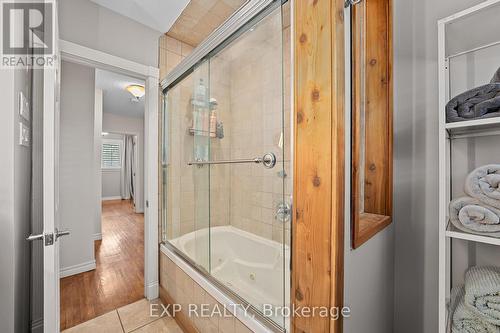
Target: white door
x=50 y=235
x=51 y=121
x=51 y=198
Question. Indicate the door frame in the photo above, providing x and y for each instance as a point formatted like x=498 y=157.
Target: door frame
x=82 y=55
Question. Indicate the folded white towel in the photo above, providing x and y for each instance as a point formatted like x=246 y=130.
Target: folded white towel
x=463 y=320
x=470 y=215
x=482 y=293
x=484 y=184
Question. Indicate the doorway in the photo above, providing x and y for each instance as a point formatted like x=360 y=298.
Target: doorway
x=93 y=59
x=101 y=164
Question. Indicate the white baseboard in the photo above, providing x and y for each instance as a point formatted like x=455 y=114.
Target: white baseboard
x=97 y=236
x=76 y=269
x=153 y=291
x=111 y=198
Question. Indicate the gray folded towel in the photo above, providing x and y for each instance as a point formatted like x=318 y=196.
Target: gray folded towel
x=482 y=293
x=470 y=215
x=480 y=102
x=463 y=320
x=496 y=77
x=483 y=183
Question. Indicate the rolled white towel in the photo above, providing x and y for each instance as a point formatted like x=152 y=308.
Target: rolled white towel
x=470 y=215
x=484 y=184
x=463 y=320
x=482 y=293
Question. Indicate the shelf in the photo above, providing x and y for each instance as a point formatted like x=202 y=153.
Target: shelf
x=476 y=127
x=453 y=232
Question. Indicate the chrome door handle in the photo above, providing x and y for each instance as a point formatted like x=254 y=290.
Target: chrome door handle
x=60 y=233
x=34 y=237
x=48 y=239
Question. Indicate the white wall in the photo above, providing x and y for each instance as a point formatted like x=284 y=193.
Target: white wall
x=98 y=101
x=113 y=123
x=77 y=172
x=14 y=207
x=416 y=161
x=86 y=23
x=369 y=269
x=111 y=184
x=111 y=178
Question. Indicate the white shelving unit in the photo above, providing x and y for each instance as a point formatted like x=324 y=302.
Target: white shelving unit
x=448 y=132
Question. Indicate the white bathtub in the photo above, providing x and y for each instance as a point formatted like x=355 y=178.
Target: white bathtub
x=249 y=265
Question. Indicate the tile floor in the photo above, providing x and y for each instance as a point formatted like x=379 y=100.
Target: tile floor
x=134 y=317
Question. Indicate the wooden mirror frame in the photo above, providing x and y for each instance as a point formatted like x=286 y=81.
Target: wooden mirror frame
x=372 y=129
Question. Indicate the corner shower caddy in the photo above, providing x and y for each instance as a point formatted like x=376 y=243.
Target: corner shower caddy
x=447 y=133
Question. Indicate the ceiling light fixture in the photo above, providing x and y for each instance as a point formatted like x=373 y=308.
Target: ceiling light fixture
x=136 y=90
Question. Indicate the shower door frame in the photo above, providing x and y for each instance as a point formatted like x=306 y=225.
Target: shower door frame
x=230 y=30
x=318 y=186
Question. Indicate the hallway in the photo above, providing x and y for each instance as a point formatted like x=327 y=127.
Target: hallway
x=118 y=279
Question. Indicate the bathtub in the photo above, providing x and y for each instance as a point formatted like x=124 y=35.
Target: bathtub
x=250 y=266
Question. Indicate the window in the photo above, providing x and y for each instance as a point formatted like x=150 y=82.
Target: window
x=111 y=154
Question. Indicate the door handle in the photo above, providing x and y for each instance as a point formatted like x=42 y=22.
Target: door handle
x=60 y=233
x=34 y=237
x=48 y=238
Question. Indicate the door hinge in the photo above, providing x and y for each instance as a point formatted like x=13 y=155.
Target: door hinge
x=147 y=203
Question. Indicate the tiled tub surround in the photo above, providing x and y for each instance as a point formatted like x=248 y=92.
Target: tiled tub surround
x=181 y=284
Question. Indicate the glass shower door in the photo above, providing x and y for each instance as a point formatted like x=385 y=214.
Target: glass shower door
x=227 y=193
x=200 y=130
x=247 y=200
x=186 y=204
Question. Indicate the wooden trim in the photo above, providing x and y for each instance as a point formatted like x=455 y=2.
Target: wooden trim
x=180 y=317
x=338 y=163
x=317 y=233
x=372 y=132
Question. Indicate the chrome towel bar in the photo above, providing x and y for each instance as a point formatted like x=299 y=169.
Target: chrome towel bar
x=268 y=161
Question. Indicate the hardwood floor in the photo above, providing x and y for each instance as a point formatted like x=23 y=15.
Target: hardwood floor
x=118 y=279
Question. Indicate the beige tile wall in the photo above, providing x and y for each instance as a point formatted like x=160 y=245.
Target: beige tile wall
x=246 y=80
x=257 y=98
x=171 y=52
x=185 y=291
x=187 y=194
x=201 y=17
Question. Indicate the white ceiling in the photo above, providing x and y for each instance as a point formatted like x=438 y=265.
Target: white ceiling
x=157 y=14
x=116 y=99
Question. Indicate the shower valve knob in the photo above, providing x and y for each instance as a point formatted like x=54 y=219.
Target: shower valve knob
x=269 y=160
